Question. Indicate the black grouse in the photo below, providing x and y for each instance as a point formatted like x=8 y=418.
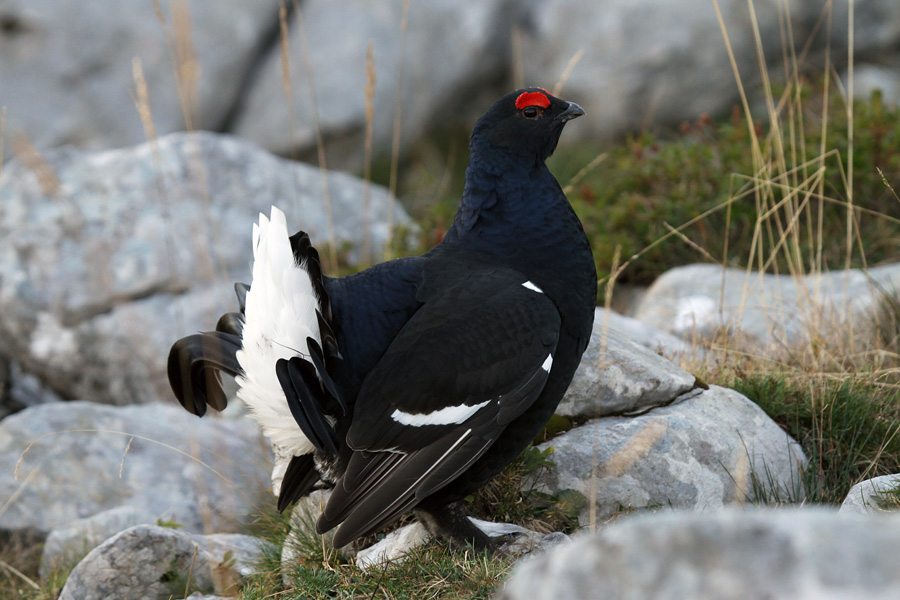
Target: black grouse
x=410 y=384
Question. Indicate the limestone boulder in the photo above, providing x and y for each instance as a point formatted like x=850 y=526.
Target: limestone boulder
x=148 y=562
x=711 y=448
x=66 y=461
x=873 y=496
x=107 y=258
x=67 y=72
x=764 y=311
x=801 y=554
x=620 y=373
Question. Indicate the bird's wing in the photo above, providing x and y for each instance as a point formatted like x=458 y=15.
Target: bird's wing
x=473 y=358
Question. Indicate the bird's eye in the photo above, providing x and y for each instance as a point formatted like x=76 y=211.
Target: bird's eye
x=531 y=112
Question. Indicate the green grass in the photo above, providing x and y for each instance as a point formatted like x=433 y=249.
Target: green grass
x=648 y=184
x=430 y=571
x=19 y=559
x=847 y=428
x=889 y=499
x=651 y=183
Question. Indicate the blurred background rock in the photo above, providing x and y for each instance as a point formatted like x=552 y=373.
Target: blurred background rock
x=70 y=72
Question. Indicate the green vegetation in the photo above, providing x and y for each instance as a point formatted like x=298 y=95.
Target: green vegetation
x=848 y=428
x=428 y=572
x=650 y=184
x=431 y=571
x=716 y=183
x=20 y=557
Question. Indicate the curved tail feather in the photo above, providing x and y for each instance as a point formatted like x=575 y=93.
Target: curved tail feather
x=193 y=365
x=194 y=361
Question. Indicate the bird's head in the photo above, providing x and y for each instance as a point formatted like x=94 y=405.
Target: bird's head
x=525 y=124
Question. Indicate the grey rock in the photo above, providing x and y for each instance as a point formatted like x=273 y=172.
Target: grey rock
x=866 y=497
x=451 y=48
x=708 y=450
x=67 y=72
x=657 y=340
x=883 y=78
x=616 y=375
x=147 y=562
x=133 y=249
x=765 y=311
x=772 y=554
x=19 y=389
x=70 y=460
x=68 y=544
x=636 y=69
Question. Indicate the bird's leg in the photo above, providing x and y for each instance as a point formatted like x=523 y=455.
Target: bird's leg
x=450 y=523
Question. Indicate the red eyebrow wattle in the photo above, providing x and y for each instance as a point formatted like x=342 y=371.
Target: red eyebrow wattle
x=532 y=99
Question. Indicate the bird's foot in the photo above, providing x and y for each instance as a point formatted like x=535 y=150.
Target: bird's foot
x=450 y=524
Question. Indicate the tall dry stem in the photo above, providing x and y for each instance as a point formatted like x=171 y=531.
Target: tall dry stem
x=320 y=141
x=395 y=141
x=366 y=250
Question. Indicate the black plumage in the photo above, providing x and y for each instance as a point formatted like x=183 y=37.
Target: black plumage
x=435 y=371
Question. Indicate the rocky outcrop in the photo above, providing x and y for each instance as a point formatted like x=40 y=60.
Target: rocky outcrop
x=66 y=461
x=108 y=258
x=766 y=311
x=430 y=70
x=150 y=562
x=68 y=69
x=873 y=496
x=709 y=449
x=618 y=375
x=802 y=554
x=67 y=72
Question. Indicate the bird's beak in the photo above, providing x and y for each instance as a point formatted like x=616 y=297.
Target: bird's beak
x=571 y=112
